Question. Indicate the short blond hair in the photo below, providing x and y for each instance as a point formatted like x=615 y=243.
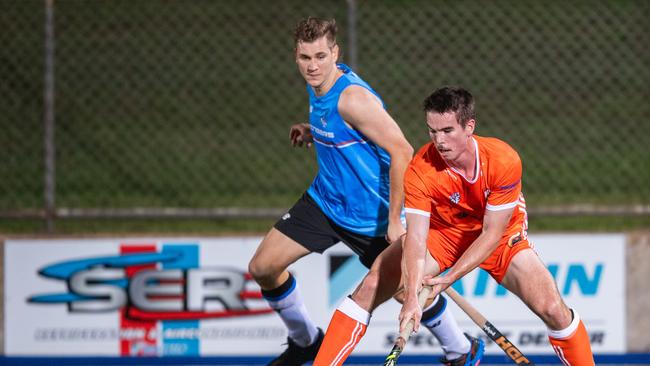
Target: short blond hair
x=311 y=29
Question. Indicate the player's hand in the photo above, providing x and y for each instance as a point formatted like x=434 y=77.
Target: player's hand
x=410 y=311
x=300 y=134
x=395 y=232
x=438 y=283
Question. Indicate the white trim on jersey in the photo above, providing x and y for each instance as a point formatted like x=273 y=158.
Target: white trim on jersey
x=505 y=206
x=350 y=143
x=417 y=212
x=341 y=146
x=476 y=169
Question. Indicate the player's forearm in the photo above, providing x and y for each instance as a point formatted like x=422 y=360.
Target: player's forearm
x=478 y=252
x=494 y=226
x=413 y=259
x=396 y=200
x=399 y=162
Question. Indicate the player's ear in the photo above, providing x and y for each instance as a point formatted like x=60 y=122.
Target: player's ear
x=335 y=51
x=469 y=126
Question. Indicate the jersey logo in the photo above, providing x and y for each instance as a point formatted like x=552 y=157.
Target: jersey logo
x=486 y=192
x=455 y=197
x=286 y=216
x=515 y=239
x=323 y=121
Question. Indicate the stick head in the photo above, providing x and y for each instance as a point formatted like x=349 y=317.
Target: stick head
x=391 y=359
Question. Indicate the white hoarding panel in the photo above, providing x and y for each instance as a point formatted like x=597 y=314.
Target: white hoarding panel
x=193 y=296
x=144 y=297
x=590 y=273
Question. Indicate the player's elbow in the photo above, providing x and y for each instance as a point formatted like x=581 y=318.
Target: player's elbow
x=404 y=152
x=408 y=150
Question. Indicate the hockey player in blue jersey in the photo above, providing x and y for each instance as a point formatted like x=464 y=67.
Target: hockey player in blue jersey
x=356 y=197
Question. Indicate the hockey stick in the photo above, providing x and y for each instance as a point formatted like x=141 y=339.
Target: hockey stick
x=403 y=337
x=510 y=349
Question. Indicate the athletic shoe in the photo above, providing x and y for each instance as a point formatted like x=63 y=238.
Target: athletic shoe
x=472 y=358
x=295 y=355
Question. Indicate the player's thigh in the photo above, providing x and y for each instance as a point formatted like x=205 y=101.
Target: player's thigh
x=302 y=230
x=276 y=252
x=528 y=278
x=382 y=280
x=431 y=267
x=368 y=248
x=388 y=263
x=441 y=252
x=498 y=263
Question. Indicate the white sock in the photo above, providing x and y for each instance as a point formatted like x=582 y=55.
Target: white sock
x=350 y=308
x=441 y=323
x=569 y=330
x=287 y=302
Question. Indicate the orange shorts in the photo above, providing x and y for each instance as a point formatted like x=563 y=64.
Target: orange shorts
x=446 y=251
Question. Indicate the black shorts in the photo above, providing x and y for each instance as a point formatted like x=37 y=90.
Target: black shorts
x=307 y=224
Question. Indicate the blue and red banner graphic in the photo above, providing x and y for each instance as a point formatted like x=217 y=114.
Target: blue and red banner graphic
x=159 y=290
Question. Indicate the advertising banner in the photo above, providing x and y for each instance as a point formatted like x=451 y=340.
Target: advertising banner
x=139 y=297
x=194 y=296
x=590 y=274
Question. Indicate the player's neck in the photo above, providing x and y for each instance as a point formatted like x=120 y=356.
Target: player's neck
x=328 y=83
x=466 y=162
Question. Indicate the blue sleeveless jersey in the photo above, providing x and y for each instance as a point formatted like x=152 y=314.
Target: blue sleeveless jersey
x=353 y=182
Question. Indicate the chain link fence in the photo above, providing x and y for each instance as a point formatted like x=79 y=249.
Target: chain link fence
x=186 y=104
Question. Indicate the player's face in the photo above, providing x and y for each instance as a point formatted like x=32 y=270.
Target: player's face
x=317 y=61
x=450 y=138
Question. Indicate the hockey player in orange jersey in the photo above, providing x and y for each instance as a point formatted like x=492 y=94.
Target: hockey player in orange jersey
x=464 y=209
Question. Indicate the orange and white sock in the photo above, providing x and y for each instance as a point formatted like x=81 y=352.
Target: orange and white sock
x=345 y=330
x=572 y=343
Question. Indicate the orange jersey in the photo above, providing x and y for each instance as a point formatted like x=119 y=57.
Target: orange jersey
x=455 y=204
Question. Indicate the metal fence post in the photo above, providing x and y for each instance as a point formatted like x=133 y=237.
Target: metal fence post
x=49 y=119
x=352 y=34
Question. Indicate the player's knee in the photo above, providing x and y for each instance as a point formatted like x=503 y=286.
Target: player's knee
x=371 y=281
x=261 y=272
x=555 y=314
x=368 y=287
